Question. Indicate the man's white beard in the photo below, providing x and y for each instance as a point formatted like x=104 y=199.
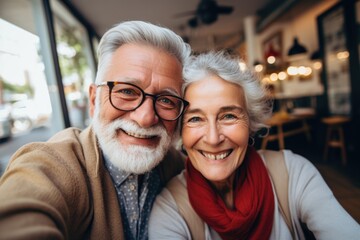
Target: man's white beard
x=132 y=158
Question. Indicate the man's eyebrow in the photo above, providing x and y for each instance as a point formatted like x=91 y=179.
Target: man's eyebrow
x=129 y=80
x=169 y=91
x=137 y=82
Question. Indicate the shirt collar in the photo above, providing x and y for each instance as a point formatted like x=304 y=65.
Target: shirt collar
x=119 y=176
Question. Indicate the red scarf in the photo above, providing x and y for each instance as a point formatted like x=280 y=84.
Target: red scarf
x=253 y=215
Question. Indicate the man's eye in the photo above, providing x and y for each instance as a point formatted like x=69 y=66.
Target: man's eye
x=127 y=91
x=127 y=94
x=167 y=101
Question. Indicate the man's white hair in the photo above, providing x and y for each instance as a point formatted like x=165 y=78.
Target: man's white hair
x=139 y=32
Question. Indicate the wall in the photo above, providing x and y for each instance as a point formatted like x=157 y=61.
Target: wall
x=304 y=27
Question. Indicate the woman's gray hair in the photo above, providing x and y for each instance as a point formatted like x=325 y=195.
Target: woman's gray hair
x=139 y=32
x=258 y=104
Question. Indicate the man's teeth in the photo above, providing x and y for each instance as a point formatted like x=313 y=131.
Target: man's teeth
x=138 y=135
x=217 y=156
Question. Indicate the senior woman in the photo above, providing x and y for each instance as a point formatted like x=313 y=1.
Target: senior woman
x=228 y=183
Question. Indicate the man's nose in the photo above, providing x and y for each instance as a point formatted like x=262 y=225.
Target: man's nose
x=145 y=115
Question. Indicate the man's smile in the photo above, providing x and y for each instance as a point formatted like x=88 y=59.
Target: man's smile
x=137 y=135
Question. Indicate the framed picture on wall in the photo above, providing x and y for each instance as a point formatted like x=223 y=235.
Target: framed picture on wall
x=331 y=26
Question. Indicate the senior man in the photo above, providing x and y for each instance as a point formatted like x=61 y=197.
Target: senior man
x=100 y=183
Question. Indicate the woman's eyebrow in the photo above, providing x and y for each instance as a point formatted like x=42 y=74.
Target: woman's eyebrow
x=232 y=108
x=222 y=109
x=194 y=110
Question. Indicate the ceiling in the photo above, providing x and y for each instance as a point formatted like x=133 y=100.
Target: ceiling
x=104 y=14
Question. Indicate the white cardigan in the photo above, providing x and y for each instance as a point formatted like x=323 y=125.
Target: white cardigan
x=310 y=200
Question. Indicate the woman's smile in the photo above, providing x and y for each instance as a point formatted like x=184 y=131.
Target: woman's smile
x=216 y=156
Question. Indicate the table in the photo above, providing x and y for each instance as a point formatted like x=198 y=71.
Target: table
x=278 y=120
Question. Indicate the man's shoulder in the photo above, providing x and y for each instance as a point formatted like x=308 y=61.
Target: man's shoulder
x=63 y=142
x=73 y=136
x=66 y=145
x=70 y=134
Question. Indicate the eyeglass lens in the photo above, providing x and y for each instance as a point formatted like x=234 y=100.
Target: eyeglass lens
x=128 y=97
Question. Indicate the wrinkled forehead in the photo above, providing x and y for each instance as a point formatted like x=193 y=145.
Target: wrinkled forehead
x=213 y=88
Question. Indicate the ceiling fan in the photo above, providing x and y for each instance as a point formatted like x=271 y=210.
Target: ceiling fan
x=207 y=13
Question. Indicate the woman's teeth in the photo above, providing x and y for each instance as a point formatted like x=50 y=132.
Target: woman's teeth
x=217 y=156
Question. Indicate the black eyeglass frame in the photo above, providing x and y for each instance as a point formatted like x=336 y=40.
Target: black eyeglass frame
x=111 y=85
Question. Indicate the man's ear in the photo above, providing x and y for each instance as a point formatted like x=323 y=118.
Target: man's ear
x=92 y=97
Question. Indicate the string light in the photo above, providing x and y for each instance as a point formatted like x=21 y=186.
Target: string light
x=259 y=68
x=282 y=75
x=292 y=71
x=274 y=77
x=317 y=65
x=342 y=55
x=271 y=59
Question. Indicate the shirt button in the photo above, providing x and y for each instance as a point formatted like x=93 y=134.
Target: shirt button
x=134 y=217
x=132 y=187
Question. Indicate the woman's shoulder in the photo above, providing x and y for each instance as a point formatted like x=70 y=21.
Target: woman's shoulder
x=166 y=219
x=297 y=167
x=292 y=159
x=298 y=163
x=175 y=186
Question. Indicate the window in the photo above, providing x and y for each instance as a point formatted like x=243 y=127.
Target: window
x=76 y=63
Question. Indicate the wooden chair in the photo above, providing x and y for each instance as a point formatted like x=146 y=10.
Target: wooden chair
x=335 y=135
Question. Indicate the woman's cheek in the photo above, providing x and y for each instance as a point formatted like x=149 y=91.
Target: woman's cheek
x=190 y=135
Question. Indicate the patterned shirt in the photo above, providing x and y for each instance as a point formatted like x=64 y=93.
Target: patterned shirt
x=135 y=204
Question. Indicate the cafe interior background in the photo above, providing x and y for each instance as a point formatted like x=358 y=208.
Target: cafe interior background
x=305 y=52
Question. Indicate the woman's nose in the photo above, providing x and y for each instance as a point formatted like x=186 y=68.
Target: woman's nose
x=214 y=135
x=145 y=115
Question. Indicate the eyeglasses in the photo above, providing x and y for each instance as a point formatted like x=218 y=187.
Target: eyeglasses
x=128 y=97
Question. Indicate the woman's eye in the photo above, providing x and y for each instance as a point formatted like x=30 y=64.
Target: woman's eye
x=194 y=119
x=229 y=116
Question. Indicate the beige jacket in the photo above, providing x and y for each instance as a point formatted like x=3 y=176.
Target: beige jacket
x=61 y=189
